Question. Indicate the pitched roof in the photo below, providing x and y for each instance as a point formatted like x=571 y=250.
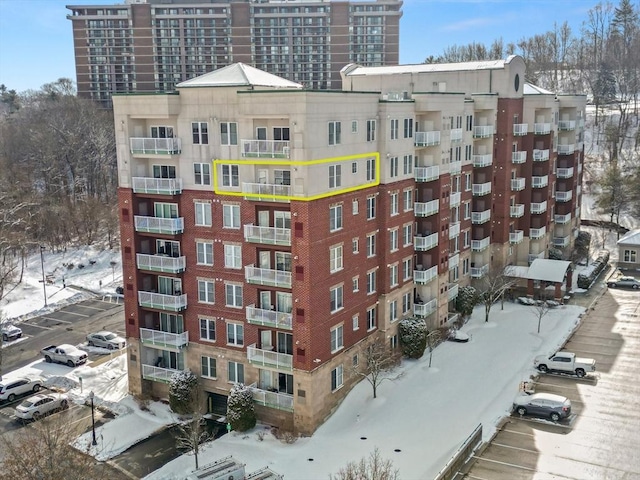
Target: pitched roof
x=426 y=67
x=548 y=270
x=531 y=89
x=239 y=74
x=630 y=238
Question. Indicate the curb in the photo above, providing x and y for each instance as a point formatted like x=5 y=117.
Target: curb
x=121 y=470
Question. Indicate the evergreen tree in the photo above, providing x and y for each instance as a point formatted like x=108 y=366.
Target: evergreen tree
x=412 y=333
x=183 y=388
x=240 y=408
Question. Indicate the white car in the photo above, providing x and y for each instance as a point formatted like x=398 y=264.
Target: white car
x=10 y=332
x=40 y=405
x=106 y=340
x=10 y=389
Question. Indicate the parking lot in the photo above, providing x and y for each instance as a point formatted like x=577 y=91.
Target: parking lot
x=601 y=442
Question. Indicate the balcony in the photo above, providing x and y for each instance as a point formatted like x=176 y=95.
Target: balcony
x=265 y=148
x=484 y=160
x=564 y=172
x=567 y=125
x=422 y=277
x=269 y=192
x=158 y=374
x=482 y=131
x=455 y=168
x=480 y=189
x=518 y=157
x=159 y=339
x=479 y=245
x=566 y=149
x=479 y=218
x=540 y=181
x=517 y=184
x=520 y=129
x=535 y=233
x=541 y=155
x=422 y=244
x=157 y=186
x=161 y=263
x=425 y=309
x=516 y=237
x=452 y=292
x=562 y=219
x=426 y=209
x=561 y=241
x=516 y=211
x=279 y=401
x=454 y=261
x=267 y=276
x=454 y=230
x=541 y=128
x=538 y=207
x=456 y=134
x=564 y=196
x=269 y=358
x=269 y=318
x=267 y=235
x=454 y=199
x=426 y=174
x=161 y=301
x=426 y=139
x=479 y=272
x=166 y=226
x=155 y=146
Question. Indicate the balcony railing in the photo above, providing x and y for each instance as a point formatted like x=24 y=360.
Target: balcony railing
x=479 y=245
x=425 y=309
x=162 y=339
x=422 y=277
x=541 y=155
x=422 y=244
x=158 y=374
x=481 y=217
x=454 y=261
x=536 y=233
x=280 y=401
x=518 y=157
x=455 y=199
x=157 y=186
x=426 y=209
x=426 y=139
x=538 y=207
x=566 y=149
x=516 y=211
x=479 y=272
x=564 y=172
x=482 y=131
x=561 y=241
x=155 y=146
x=161 y=263
x=567 y=125
x=516 y=237
x=267 y=235
x=454 y=230
x=541 y=128
x=456 y=134
x=161 y=301
x=266 y=191
x=564 y=196
x=562 y=219
x=167 y=226
x=455 y=167
x=517 y=184
x=481 y=188
x=540 y=181
x=484 y=160
x=453 y=290
x=269 y=318
x=265 y=148
x=520 y=129
x=269 y=358
x=426 y=174
x=267 y=276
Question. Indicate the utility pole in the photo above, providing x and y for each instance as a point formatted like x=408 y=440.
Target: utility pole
x=44 y=283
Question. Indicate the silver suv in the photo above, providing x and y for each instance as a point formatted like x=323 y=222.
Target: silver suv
x=10 y=389
x=544 y=405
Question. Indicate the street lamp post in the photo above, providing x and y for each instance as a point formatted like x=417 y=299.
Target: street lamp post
x=44 y=283
x=93 y=421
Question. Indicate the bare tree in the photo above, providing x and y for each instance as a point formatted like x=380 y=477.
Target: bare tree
x=540 y=310
x=493 y=285
x=193 y=431
x=372 y=468
x=433 y=338
x=376 y=366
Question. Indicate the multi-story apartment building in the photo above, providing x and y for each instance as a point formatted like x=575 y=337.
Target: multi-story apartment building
x=270 y=232
x=151 y=45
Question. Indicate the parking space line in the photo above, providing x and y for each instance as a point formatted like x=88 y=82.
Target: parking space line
x=39 y=326
x=75 y=313
x=93 y=308
x=54 y=319
x=514 y=448
x=521 y=467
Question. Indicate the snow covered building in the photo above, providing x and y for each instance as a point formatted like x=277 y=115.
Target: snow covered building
x=629 y=251
x=269 y=232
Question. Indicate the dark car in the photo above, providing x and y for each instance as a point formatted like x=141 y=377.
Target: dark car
x=625 y=282
x=543 y=405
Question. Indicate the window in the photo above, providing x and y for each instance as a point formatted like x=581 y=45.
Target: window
x=371 y=169
x=355 y=282
x=337 y=342
x=208 y=329
x=393 y=275
x=281 y=134
x=354 y=126
x=465 y=266
x=204 y=253
x=228 y=133
x=407 y=164
x=393 y=311
x=233 y=295
x=371 y=318
x=408 y=127
x=467 y=210
x=466 y=239
x=354 y=167
x=206 y=291
x=407 y=270
x=371 y=207
x=393 y=167
x=233 y=256
x=230 y=176
x=355 y=207
x=282 y=177
x=335 y=258
x=354 y=360
x=164 y=171
x=629 y=256
x=208 y=367
x=355 y=322
x=335 y=133
x=336 y=294
x=355 y=245
x=236 y=372
x=336 y=378
x=203 y=214
x=200 y=133
x=335 y=218
x=393 y=342
x=395 y=204
x=202 y=173
x=371 y=245
x=467 y=182
x=230 y=216
x=371 y=130
x=406 y=303
x=394 y=128
x=335 y=176
x=407 y=200
x=371 y=282
x=407 y=234
x=469 y=124
x=235 y=334
x=468 y=152
x=393 y=239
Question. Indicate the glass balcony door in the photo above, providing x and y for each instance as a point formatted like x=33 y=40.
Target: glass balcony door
x=164 y=171
x=169 y=286
x=165 y=210
x=171 y=323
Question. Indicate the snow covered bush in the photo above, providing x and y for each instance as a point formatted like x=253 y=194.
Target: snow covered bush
x=555 y=254
x=182 y=392
x=581 y=245
x=413 y=336
x=240 y=408
x=466 y=300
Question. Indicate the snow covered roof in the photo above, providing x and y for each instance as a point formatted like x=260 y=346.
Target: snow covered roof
x=548 y=270
x=426 y=67
x=517 y=271
x=530 y=89
x=239 y=74
x=630 y=238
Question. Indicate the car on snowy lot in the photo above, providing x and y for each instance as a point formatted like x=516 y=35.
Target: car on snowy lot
x=67 y=354
x=10 y=389
x=457 y=336
x=624 y=282
x=34 y=408
x=542 y=405
x=526 y=301
x=565 y=362
x=106 y=340
x=10 y=332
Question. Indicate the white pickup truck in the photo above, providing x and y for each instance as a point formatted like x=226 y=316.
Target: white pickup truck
x=67 y=354
x=565 y=362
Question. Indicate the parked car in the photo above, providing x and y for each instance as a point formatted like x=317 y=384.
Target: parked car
x=526 y=301
x=565 y=362
x=624 y=282
x=10 y=332
x=106 y=340
x=10 y=389
x=67 y=354
x=40 y=405
x=543 y=405
x=457 y=336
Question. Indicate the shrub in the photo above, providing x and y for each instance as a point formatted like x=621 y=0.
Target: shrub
x=240 y=408
x=555 y=254
x=182 y=392
x=412 y=332
x=589 y=275
x=466 y=300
